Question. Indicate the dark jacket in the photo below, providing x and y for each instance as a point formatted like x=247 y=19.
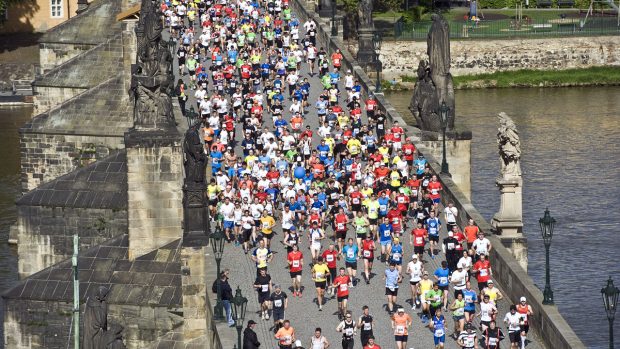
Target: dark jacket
x=227 y=292
x=250 y=340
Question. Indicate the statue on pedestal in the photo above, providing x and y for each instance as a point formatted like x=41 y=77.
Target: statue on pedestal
x=434 y=78
x=96 y=319
x=364 y=12
x=509 y=147
x=152 y=81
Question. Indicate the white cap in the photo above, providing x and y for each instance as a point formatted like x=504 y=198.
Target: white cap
x=401 y=310
x=490 y=282
x=414 y=256
x=523 y=299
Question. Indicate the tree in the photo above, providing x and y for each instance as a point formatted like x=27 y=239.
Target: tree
x=390 y=5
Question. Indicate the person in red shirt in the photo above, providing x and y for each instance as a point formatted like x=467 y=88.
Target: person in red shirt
x=296 y=265
x=371 y=344
x=381 y=172
x=396 y=219
x=341 y=284
x=460 y=237
x=417 y=239
x=306 y=133
x=434 y=187
x=482 y=269
x=414 y=186
x=368 y=252
x=273 y=175
x=340 y=227
x=337 y=59
x=330 y=256
x=402 y=201
x=471 y=232
x=409 y=152
x=371 y=106
x=356 y=200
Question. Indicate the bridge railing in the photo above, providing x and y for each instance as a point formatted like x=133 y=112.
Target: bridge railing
x=547 y=322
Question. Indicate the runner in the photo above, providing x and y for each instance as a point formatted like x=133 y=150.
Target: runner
x=350 y=253
x=417 y=239
x=340 y=227
x=330 y=256
x=348 y=329
x=261 y=256
x=435 y=297
x=318 y=341
x=432 y=226
x=368 y=252
x=468 y=339
x=487 y=312
x=458 y=314
x=400 y=324
x=442 y=277
x=525 y=311
x=471 y=298
x=319 y=275
x=315 y=235
x=366 y=325
x=341 y=284
x=482 y=269
x=286 y=335
x=392 y=279
x=415 y=268
x=494 y=294
x=396 y=255
x=279 y=303
x=492 y=336
x=385 y=238
x=513 y=320
x=263 y=286
x=438 y=326
x=425 y=285
x=295 y=265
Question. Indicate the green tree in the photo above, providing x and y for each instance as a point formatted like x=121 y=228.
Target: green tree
x=390 y=5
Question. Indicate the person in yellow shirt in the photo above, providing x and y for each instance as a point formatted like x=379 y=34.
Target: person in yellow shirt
x=331 y=142
x=213 y=190
x=266 y=227
x=385 y=151
x=372 y=208
x=395 y=179
x=319 y=275
x=343 y=120
x=424 y=286
x=354 y=146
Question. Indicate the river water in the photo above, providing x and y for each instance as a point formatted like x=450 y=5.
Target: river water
x=571 y=163
x=570 y=140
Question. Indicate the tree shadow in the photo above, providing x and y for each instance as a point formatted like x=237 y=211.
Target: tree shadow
x=16 y=16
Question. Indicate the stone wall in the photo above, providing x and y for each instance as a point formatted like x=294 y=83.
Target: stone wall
x=45 y=234
x=458 y=156
x=154 y=179
x=54 y=54
x=487 y=56
x=45 y=157
x=47 y=97
x=45 y=324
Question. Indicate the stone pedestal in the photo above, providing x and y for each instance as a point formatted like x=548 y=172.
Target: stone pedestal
x=325 y=8
x=154 y=182
x=195 y=305
x=508 y=221
x=458 y=149
x=366 y=49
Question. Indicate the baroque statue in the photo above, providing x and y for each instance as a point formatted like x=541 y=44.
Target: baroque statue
x=195 y=158
x=434 y=84
x=96 y=319
x=364 y=12
x=153 y=80
x=509 y=147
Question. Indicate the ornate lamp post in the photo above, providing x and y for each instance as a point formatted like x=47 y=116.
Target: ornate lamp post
x=334 y=25
x=443 y=113
x=240 y=304
x=546 y=228
x=172 y=44
x=191 y=116
x=610 y=300
x=376 y=41
x=217 y=243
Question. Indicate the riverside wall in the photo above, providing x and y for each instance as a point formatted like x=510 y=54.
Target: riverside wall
x=547 y=322
x=471 y=57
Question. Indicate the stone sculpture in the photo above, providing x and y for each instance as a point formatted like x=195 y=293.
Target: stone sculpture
x=509 y=147
x=364 y=12
x=96 y=319
x=195 y=158
x=113 y=338
x=153 y=80
x=195 y=211
x=434 y=83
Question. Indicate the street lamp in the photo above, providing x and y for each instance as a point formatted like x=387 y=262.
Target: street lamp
x=443 y=113
x=334 y=26
x=376 y=42
x=610 y=300
x=546 y=228
x=172 y=44
x=191 y=116
x=217 y=243
x=240 y=304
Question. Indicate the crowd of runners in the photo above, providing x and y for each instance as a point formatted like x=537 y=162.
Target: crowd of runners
x=328 y=182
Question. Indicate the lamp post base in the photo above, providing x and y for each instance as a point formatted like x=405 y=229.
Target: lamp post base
x=548 y=296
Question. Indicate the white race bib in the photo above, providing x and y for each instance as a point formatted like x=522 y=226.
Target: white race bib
x=264 y=288
x=277 y=303
x=296 y=264
x=366 y=253
x=400 y=329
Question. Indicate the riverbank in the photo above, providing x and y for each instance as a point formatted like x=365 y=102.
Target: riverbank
x=593 y=76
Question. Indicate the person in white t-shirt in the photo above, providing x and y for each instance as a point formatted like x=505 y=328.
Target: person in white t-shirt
x=415 y=268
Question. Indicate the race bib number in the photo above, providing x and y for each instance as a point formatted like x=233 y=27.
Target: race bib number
x=439 y=332
x=450 y=246
x=340 y=226
x=434 y=191
x=264 y=288
x=484 y=272
x=443 y=280
x=356 y=201
x=367 y=326
x=366 y=253
x=266 y=225
x=348 y=332
x=400 y=329
x=396 y=256
x=350 y=254
x=419 y=240
x=329 y=258
x=344 y=287
x=296 y=264
x=277 y=303
x=319 y=275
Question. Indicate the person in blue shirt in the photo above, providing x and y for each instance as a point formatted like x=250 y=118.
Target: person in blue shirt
x=420 y=165
x=281 y=166
x=265 y=70
x=329 y=164
x=247 y=144
x=232 y=56
x=216 y=160
x=308 y=178
x=384 y=204
x=273 y=192
x=442 y=275
x=396 y=254
x=280 y=124
x=392 y=278
x=350 y=251
x=385 y=238
x=323 y=150
x=334 y=77
x=471 y=298
x=438 y=326
x=264 y=159
x=433 y=224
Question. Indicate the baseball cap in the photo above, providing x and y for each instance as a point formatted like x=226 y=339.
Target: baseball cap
x=396 y=239
x=414 y=256
x=523 y=299
x=401 y=310
x=490 y=282
x=277 y=286
x=251 y=322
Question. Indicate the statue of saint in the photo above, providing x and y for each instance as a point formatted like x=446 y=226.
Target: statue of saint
x=96 y=319
x=195 y=158
x=509 y=147
x=364 y=12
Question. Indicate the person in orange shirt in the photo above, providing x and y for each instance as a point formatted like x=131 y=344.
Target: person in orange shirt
x=400 y=324
x=337 y=59
x=286 y=335
x=471 y=232
x=296 y=124
x=434 y=187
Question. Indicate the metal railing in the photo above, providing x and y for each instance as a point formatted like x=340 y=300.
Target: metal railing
x=510 y=28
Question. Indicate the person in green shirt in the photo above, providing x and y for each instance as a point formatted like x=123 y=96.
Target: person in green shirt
x=372 y=207
x=326 y=81
x=458 y=314
x=435 y=297
x=361 y=227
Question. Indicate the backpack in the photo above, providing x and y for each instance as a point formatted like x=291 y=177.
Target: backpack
x=214 y=286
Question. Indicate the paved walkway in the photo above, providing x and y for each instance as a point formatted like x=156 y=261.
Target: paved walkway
x=303 y=312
